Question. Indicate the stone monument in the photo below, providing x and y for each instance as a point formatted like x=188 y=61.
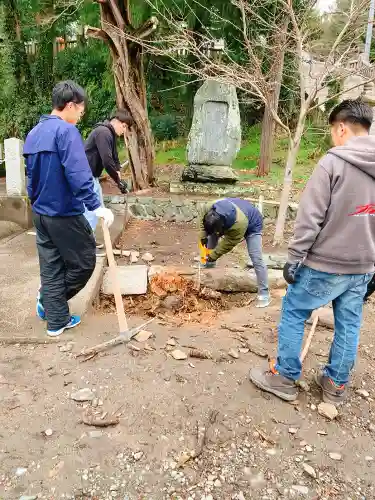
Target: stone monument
x=14 y=167
x=14 y=204
x=215 y=135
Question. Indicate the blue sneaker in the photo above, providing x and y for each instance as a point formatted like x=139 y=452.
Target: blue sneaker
x=40 y=312
x=74 y=321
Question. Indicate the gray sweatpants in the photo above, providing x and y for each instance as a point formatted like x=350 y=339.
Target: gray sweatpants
x=254 y=248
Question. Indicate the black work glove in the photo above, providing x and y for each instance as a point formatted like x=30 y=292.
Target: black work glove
x=289 y=272
x=123 y=187
x=204 y=242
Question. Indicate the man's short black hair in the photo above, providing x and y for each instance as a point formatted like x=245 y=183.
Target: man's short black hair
x=355 y=112
x=213 y=223
x=123 y=116
x=65 y=92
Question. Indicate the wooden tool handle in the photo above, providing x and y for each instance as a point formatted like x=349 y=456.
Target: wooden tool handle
x=309 y=338
x=122 y=323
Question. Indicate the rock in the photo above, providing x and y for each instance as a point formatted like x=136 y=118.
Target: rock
x=173 y=302
x=56 y=469
x=209 y=173
x=95 y=434
x=233 y=353
x=335 y=456
x=132 y=280
x=309 y=470
x=138 y=455
x=257 y=481
x=301 y=490
x=171 y=342
x=363 y=393
x=48 y=432
x=303 y=385
x=371 y=427
x=122 y=253
x=179 y=355
x=143 y=335
x=134 y=257
x=292 y=430
x=217 y=483
x=322 y=433
x=328 y=410
x=66 y=348
x=308 y=448
x=369 y=459
x=148 y=257
x=28 y=497
x=85 y=394
x=20 y=471
x=215 y=134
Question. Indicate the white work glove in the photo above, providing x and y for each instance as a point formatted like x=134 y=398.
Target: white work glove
x=106 y=214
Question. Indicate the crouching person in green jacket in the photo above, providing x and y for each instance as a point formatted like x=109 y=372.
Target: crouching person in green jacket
x=223 y=225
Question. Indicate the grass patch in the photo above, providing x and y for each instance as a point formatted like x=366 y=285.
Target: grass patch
x=314 y=144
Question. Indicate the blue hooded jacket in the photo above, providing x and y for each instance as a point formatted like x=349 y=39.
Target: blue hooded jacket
x=60 y=180
x=227 y=210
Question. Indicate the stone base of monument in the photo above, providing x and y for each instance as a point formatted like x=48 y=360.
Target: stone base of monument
x=16 y=209
x=209 y=173
x=213 y=188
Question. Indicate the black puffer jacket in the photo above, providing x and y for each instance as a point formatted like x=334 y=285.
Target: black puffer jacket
x=101 y=151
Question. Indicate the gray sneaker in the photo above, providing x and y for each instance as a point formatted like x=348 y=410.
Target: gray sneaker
x=269 y=380
x=332 y=393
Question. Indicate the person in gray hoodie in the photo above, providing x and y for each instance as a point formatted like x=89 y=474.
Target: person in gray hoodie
x=331 y=257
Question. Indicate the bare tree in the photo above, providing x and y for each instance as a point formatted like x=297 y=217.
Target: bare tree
x=127 y=58
x=296 y=37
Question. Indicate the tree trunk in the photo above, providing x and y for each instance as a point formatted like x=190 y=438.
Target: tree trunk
x=268 y=123
x=288 y=181
x=127 y=58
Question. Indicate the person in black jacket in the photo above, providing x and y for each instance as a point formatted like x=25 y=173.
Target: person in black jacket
x=101 y=152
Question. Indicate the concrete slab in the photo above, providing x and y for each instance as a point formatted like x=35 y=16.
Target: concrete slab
x=132 y=280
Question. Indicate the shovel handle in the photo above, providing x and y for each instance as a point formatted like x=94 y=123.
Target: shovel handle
x=122 y=322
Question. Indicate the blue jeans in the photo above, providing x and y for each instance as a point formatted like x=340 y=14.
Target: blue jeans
x=92 y=219
x=311 y=290
x=254 y=248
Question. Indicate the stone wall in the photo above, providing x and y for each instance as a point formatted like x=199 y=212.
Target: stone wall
x=179 y=209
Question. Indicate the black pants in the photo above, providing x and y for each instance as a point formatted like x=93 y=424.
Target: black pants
x=370 y=288
x=66 y=248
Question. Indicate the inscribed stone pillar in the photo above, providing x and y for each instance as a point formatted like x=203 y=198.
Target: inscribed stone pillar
x=14 y=167
x=215 y=135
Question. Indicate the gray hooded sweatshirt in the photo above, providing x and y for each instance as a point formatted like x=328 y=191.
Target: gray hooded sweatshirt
x=335 y=225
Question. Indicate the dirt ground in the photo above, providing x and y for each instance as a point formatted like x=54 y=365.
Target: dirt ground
x=256 y=446
x=156 y=237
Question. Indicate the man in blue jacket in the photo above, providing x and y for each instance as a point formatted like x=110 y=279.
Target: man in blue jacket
x=60 y=184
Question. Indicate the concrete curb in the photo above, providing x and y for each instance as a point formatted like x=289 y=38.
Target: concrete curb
x=83 y=302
